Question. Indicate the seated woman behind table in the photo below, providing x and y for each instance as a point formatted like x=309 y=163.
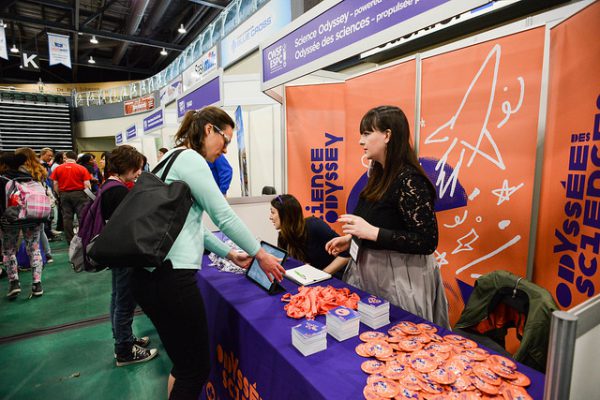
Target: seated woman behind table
x=305 y=238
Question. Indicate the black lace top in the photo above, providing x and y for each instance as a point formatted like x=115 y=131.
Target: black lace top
x=405 y=216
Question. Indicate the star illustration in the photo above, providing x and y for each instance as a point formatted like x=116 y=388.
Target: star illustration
x=505 y=192
x=440 y=259
x=422 y=123
x=465 y=242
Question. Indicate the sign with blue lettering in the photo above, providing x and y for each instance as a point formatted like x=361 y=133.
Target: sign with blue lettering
x=269 y=20
x=119 y=138
x=335 y=30
x=154 y=121
x=206 y=95
x=131 y=132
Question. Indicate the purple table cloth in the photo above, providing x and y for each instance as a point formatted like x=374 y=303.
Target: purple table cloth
x=251 y=348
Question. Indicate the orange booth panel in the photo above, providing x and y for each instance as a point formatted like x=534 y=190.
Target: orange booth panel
x=568 y=238
x=316 y=141
x=479 y=122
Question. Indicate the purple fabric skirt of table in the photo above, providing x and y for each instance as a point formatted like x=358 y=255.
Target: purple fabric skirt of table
x=252 y=354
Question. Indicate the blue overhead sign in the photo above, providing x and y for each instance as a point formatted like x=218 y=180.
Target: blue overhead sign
x=119 y=138
x=206 y=95
x=154 y=121
x=131 y=132
x=335 y=30
x=267 y=21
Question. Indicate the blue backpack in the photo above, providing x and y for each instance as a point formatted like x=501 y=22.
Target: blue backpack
x=91 y=224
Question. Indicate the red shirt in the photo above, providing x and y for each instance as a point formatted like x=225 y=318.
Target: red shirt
x=70 y=176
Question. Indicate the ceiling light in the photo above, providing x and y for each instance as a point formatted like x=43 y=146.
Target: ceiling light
x=163 y=52
x=14 y=49
x=94 y=40
x=91 y=60
x=181 y=29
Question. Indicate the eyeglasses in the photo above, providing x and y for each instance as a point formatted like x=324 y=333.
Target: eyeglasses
x=220 y=132
x=279 y=199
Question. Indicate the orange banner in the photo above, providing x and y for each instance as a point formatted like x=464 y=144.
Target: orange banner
x=141 y=104
x=568 y=238
x=479 y=119
x=316 y=139
x=395 y=86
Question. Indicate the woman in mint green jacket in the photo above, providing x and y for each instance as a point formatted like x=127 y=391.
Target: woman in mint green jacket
x=169 y=294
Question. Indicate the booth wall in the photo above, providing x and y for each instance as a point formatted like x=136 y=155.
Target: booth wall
x=587 y=354
x=254 y=212
x=568 y=240
x=479 y=116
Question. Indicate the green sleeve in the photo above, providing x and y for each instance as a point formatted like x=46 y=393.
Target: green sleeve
x=212 y=243
x=192 y=168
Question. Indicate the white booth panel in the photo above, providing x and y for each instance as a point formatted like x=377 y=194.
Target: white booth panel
x=254 y=212
x=263 y=126
x=585 y=366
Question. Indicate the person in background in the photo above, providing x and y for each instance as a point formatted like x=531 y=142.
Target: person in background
x=11 y=166
x=59 y=159
x=58 y=221
x=70 y=179
x=34 y=168
x=222 y=172
x=161 y=152
x=102 y=165
x=146 y=166
x=97 y=173
x=393 y=230
x=305 y=238
x=124 y=165
x=46 y=157
x=169 y=295
x=86 y=160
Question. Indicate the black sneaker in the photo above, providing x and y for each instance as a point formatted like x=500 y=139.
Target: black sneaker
x=49 y=259
x=138 y=355
x=141 y=341
x=36 y=289
x=14 y=288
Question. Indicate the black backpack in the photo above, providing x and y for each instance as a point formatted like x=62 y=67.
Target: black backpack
x=143 y=228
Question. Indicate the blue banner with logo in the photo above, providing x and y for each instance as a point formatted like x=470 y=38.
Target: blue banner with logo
x=154 y=121
x=243 y=159
x=206 y=95
x=131 y=132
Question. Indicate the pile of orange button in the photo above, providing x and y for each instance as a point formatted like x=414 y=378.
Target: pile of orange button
x=413 y=362
x=317 y=300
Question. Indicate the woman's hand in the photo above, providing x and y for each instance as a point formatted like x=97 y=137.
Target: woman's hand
x=270 y=265
x=241 y=259
x=338 y=245
x=357 y=226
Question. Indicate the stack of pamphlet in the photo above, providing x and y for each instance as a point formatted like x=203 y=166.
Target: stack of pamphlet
x=309 y=337
x=342 y=323
x=374 y=312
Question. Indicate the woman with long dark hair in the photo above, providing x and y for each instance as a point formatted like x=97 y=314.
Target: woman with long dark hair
x=304 y=238
x=393 y=231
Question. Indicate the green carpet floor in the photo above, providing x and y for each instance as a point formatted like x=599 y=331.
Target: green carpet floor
x=76 y=362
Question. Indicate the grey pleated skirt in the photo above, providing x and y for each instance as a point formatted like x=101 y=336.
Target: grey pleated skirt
x=412 y=282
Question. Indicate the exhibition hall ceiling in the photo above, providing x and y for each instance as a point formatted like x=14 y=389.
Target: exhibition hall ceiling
x=124 y=37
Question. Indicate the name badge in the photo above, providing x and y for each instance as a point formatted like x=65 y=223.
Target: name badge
x=354 y=247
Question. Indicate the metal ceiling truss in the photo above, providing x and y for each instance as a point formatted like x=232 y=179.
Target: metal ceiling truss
x=101 y=34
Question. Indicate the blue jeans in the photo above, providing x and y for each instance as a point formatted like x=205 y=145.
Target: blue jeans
x=122 y=307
